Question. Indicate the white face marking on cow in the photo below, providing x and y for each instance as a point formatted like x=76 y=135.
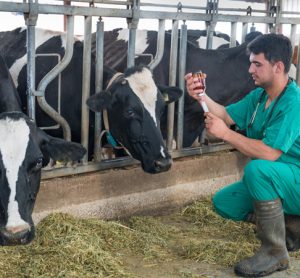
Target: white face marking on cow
x=144 y=87
x=141 y=39
x=162 y=152
x=13 y=144
x=216 y=42
x=41 y=36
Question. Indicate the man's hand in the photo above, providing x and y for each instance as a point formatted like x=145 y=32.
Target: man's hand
x=215 y=126
x=191 y=84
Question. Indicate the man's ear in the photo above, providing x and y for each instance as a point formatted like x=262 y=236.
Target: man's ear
x=279 y=67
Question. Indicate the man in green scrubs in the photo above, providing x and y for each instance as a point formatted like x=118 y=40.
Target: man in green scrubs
x=270 y=187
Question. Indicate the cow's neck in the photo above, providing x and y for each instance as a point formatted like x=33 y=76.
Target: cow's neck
x=9 y=99
x=107 y=76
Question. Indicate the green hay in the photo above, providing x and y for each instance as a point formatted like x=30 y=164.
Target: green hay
x=70 y=247
x=66 y=247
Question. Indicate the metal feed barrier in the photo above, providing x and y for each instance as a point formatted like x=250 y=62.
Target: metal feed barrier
x=272 y=16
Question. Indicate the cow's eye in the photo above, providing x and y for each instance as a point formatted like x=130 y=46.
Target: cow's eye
x=38 y=164
x=130 y=113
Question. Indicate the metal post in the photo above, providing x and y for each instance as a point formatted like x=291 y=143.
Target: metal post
x=244 y=31
x=293 y=34
x=233 y=34
x=278 y=25
x=132 y=26
x=86 y=77
x=212 y=9
x=298 y=65
x=172 y=82
x=30 y=20
x=160 y=45
x=98 y=86
x=182 y=69
x=66 y=3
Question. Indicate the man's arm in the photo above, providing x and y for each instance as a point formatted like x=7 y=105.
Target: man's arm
x=250 y=147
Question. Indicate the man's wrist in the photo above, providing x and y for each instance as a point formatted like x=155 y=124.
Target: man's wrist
x=227 y=135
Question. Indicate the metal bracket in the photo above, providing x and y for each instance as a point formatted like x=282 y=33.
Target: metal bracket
x=249 y=11
x=134 y=20
x=179 y=7
x=32 y=16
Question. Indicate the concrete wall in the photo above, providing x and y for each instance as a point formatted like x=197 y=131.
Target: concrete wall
x=124 y=192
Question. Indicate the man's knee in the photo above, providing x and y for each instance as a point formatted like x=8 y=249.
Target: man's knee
x=223 y=207
x=258 y=179
x=255 y=168
x=218 y=204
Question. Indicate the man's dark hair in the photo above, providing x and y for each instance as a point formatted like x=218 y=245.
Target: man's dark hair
x=275 y=47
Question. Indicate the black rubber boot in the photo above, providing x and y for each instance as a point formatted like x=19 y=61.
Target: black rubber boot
x=292 y=224
x=272 y=255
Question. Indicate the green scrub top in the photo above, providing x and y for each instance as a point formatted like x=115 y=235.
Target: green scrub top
x=277 y=127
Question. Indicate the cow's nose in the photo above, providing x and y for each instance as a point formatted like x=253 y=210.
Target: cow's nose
x=163 y=164
x=15 y=235
x=17 y=229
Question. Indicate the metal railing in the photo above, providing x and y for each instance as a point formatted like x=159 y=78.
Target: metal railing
x=133 y=11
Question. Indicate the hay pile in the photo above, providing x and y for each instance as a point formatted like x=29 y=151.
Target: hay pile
x=70 y=247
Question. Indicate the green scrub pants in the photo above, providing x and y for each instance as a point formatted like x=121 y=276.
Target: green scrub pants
x=263 y=180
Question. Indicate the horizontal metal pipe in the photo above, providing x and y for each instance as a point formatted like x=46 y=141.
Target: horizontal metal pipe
x=118 y=163
x=113 y=12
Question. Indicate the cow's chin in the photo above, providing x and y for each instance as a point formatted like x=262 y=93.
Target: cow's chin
x=157 y=166
x=20 y=238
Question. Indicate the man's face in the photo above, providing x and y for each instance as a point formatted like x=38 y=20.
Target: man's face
x=262 y=70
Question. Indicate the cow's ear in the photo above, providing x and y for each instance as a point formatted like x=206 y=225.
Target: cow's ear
x=170 y=94
x=59 y=149
x=99 y=101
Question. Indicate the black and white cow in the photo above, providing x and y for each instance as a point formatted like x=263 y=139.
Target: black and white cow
x=24 y=150
x=116 y=42
x=133 y=101
x=135 y=104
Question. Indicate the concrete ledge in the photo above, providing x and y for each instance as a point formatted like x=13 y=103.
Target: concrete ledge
x=124 y=192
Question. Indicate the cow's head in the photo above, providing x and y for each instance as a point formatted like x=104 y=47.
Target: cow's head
x=24 y=150
x=134 y=104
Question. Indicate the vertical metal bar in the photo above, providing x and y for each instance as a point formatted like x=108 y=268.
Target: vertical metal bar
x=182 y=69
x=131 y=46
x=210 y=34
x=298 y=64
x=160 y=45
x=66 y=3
x=132 y=25
x=244 y=31
x=212 y=9
x=233 y=34
x=86 y=77
x=172 y=81
x=98 y=86
x=278 y=16
x=293 y=34
x=30 y=20
x=30 y=37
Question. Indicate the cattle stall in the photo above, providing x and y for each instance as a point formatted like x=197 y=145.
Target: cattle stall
x=273 y=17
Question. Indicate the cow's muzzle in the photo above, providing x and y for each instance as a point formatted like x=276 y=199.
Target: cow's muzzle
x=162 y=165
x=16 y=236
